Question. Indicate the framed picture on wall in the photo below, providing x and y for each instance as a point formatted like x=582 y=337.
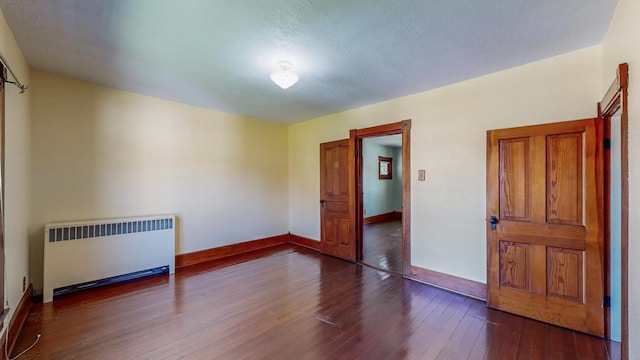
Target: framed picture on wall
x=385 y=168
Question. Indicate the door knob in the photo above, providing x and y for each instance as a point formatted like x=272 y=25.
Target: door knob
x=322 y=202
x=493 y=221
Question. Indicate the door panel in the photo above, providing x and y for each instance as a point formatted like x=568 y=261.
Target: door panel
x=545 y=256
x=564 y=179
x=564 y=275
x=515 y=268
x=337 y=228
x=514 y=193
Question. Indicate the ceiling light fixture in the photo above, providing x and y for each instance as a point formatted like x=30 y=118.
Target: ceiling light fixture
x=285 y=78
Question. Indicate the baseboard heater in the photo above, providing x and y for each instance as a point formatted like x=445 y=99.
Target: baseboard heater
x=86 y=254
x=164 y=270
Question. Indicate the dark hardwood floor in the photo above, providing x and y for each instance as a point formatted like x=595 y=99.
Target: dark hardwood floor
x=288 y=302
x=382 y=245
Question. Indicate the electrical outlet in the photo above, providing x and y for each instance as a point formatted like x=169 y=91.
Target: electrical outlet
x=24 y=283
x=6 y=304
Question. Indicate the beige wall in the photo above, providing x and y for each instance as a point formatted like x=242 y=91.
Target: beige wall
x=17 y=172
x=102 y=153
x=448 y=140
x=622 y=44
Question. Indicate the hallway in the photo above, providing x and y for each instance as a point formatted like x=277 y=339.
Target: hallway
x=383 y=245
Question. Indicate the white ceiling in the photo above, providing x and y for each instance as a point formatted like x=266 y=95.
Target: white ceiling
x=218 y=53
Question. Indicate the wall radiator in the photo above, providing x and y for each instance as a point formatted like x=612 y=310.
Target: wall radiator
x=85 y=254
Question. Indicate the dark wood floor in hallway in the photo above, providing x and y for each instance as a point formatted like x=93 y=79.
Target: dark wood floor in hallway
x=289 y=302
x=383 y=245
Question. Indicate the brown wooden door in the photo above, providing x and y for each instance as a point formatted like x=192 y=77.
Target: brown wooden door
x=545 y=256
x=337 y=199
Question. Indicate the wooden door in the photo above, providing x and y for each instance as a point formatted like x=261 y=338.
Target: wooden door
x=337 y=199
x=545 y=256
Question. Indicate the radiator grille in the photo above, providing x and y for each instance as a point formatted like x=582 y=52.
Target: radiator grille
x=64 y=233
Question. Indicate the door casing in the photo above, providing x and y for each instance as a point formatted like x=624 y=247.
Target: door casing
x=616 y=99
x=356 y=135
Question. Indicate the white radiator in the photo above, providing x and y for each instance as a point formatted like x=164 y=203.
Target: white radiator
x=89 y=253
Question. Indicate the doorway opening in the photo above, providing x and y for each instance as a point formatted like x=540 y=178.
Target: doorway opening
x=613 y=226
x=614 y=110
x=383 y=197
x=382 y=202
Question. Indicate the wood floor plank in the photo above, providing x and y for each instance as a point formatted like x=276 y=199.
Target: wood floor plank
x=554 y=343
x=460 y=344
x=533 y=340
x=289 y=302
x=613 y=348
x=382 y=245
x=437 y=328
x=569 y=350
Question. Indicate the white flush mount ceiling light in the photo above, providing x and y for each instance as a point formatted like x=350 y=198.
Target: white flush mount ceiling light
x=285 y=78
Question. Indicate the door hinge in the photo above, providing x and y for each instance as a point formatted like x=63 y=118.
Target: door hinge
x=607 y=144
x=606 y=302
x=356 y=152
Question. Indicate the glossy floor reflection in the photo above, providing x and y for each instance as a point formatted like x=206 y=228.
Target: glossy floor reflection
x=288 y=302
x=382 y=245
